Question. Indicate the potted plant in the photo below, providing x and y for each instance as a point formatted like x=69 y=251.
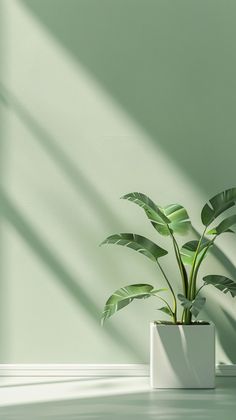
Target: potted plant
x=182 y=350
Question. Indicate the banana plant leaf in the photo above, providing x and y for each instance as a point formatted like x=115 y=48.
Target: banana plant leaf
x=217 y=205
x=195 y=306
x=188 y=250
x=122 y=297
x=171 y=218
x=222 y=283
x=224 y=226
x=137 y=243
x=151 y=209
x=166 y=310
x=180 y=222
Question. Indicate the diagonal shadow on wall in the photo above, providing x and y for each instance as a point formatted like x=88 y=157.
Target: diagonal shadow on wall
x=3 y=304
x=226 y=327
x=79 y=182
x=57 y=154
x=171 y=75
x=64 y=164
x=220 y=256
x=3 y=144
x=16 y=219
x=170 y=65
x=220 y=317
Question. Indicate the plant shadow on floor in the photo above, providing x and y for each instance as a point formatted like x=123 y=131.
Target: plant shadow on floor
x=161 y=404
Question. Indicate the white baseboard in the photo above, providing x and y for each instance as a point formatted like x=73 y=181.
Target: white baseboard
x=225 y=370
x=82 y=370
x=73 y=369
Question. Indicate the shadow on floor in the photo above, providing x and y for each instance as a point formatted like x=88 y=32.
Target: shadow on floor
x=151 y=404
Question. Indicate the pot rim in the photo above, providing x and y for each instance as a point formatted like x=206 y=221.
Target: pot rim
x=199 y=324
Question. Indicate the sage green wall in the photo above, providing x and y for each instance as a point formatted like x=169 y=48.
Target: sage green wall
x=100 y=98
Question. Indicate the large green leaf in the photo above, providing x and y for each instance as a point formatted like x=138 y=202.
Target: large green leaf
x=217 y=205
x=151 y=209
x=171 y=218
x=179 y=218
x=188 y=250
x=222 y=283
x=122 y=297
x=166 y=310
x=195 y=306
x=137 y=243
x=224 y=226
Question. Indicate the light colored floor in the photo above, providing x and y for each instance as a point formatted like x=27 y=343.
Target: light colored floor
x=112 y=398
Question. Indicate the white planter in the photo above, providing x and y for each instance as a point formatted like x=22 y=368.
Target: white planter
x=182 y=356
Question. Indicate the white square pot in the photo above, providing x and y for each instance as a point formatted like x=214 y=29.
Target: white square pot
x=182 y=356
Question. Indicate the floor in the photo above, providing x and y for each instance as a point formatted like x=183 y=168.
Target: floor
x=110 y=398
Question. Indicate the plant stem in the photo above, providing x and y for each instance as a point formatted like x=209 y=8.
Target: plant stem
x=183 y=316
x=183 y=272
x=192 y=279
x=197 y=266
x=188 y=317
x=200 y=288
x=172 y=292
x=167 y=304
x=194 y=272
x=182 y=269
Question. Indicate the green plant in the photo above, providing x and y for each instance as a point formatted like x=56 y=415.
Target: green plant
x=169 y=221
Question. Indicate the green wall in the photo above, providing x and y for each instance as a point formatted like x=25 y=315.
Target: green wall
x=100 y=98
